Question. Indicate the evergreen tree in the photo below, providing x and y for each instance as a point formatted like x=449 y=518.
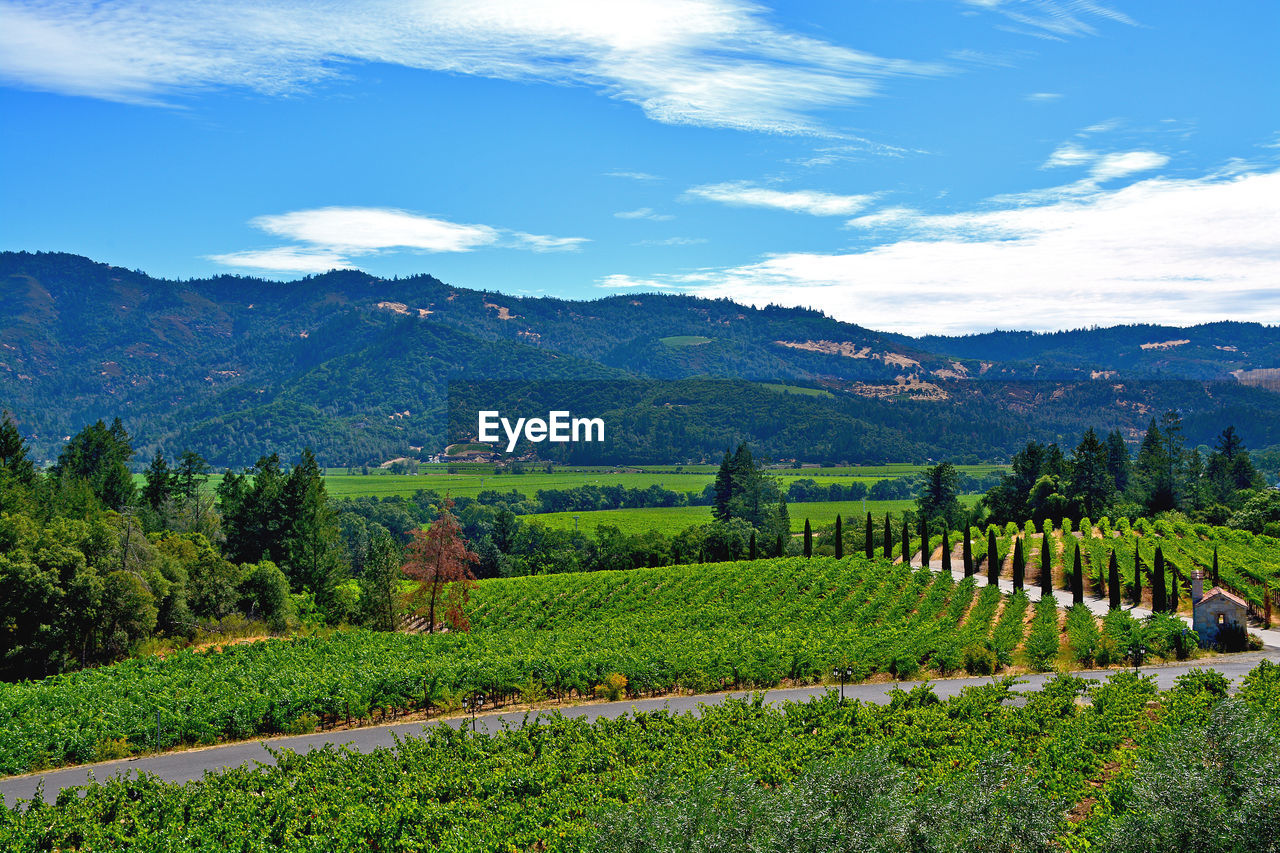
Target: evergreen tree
x=1077 y=578
x=924 y=543
x=1046 y=565
x=379 y=582
x=1215 y=565
x=906 y=541
x=1173 y=588
x=839 y=537
x=159 y=483
x=14 y=456
x=191 y=474
x=993 y=557
x=1158 y=587
x=1113 y=581
x=1091 y=485
x=1118 y=462
x=808 y=539
x=946 y=551
x=867 y=545
x=100 y=456
x=723 y=488
x=967 y=553
x=1019 y=565
x=751 y=549
x=780 y=547
x=888 y=539
x=940 y=493
x=1137 y=576
x=314 y=556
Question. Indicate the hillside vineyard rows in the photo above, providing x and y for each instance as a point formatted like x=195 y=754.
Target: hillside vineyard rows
x=976 y=772
x=695 y=627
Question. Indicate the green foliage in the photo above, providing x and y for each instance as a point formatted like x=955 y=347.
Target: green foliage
x=1083 y=635
x=1042 y=644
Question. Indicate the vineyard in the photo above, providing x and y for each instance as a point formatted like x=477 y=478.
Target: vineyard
x=697 y=628
x=977 y=772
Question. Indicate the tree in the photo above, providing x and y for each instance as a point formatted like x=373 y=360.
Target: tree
x=751 y=550
x=967 y=554
x=314 y=555
x=1137 y=576
x=939 y=495
x=439 y=560
x=1077 y=578
x=1091 y=485
x=192 y=473
x=99 y=455
x=1046 y=566
x=839 y=538
x=723 y=488
x=924 y=543
x=868 y=546
x=808 y=539
x=1019 y=565
x=1158 y=588
x=159 y=483
x=993 y=557
x=380 y=580
x=1229 y=469
x=946 y=551
x=1113 y=581
x=1118 y=463
x=906 y=541
x=14 y=456
x=888 y=538
x=265 y=595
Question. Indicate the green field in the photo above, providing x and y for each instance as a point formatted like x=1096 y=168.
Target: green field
x=796 y=389
x=677 y=341
x=669 y=520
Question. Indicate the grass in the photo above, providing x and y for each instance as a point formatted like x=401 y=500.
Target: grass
x=796 y=389
x=676 y=341
x=669 y=520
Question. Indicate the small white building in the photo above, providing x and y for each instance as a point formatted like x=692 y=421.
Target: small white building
x=1217 y=615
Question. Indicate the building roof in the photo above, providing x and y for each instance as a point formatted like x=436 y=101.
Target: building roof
x=1217 y=590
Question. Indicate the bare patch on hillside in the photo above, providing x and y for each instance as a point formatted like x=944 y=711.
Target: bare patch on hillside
x=1165 y=344
x=903 y=386
x=504 y=313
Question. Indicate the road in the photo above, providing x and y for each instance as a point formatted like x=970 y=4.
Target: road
x=192 y=764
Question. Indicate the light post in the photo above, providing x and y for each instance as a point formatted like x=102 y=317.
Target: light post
x=474 y=701
x=844 y=673
x=575 y=524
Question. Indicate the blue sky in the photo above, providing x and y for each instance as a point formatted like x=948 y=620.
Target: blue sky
x=912 y=165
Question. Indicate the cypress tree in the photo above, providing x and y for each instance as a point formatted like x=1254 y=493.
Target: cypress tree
x=1137 y=576
x=1215 y=565
x=781 y=546
x=1077 y=579
x=906 y=542
x=993 y=557
x=1158 y=588
x=968 y=552
x=751 y=549
x=1019 y=565
x=1046 y=566
x=839 y=537
x=946 y=551
x=1113 y=581
x=1173 y=588
x=888 y=538
x=808 y=539
x=924 y=543
x=868 y=547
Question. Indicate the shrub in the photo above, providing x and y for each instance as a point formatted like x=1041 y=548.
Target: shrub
x=1082 y=634
x=1042 y=645
x=1125 y=634
x=615 y=684
x=979 y=659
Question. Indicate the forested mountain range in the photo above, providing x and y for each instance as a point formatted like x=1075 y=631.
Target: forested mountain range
x=357 y=368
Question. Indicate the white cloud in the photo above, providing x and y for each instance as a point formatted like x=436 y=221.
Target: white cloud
x=1043 y=97
x=1054 y=18
x=331 y=236
x=673 y=241
x=1156 y=251
x=1126 y=163
x=643 y=213
x=622 y=282
x=1069 y=154
x=718 y=63
x=635 y=176
x=744 y=194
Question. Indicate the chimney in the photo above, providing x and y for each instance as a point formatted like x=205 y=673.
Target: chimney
x=1197 y=586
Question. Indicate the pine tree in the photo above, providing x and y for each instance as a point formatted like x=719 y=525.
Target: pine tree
x=1173 y=588
x=751 y=549
x=1137 y=577
x=808 y=539
x=1158 y=588
x=1113 y=581
x=1077 y=578
x=839 y=537
x=723 y=488
x=159 y=483
x=1215 y=565
x=780 y=547
x=1046 y=565
x=379 y=582
x=13 y=453
x=867 y=545
x=946 y=551
x=1019 y=565
x=993 y=558
x=924 y=543
x=906 y=542
x=888 y=538
x=967 y=554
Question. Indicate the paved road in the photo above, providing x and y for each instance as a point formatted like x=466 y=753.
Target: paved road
x=193 y=764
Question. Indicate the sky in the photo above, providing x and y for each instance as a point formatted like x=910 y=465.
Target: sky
x=918 y=166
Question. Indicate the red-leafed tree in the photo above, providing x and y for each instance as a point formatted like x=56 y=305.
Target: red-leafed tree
x=440 y=561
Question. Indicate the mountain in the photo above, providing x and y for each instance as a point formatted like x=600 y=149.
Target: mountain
x=359 y=368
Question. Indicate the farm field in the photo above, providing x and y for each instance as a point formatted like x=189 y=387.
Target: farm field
x=975 y=772
x=697 y=628
x=670 y=520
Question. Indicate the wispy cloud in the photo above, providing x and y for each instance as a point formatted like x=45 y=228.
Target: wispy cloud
x=330 y=237
x=635 y=176
x=643 y=213
x=672 y=241
x=814 y=202
x=717 y=63
x=1156 y=251
x=1053 y=18
x=1043 y=97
